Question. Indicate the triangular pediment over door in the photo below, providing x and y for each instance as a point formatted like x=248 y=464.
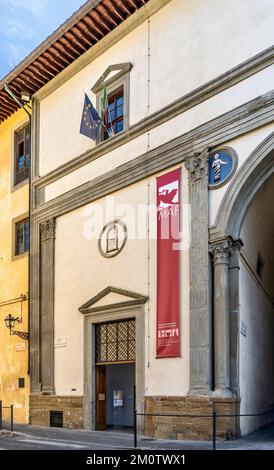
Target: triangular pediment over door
x=110 y=298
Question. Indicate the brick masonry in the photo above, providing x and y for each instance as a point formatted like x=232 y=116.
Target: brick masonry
x=191 y=428
x=72 y=407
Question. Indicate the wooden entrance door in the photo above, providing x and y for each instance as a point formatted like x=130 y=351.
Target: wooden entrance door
x=101 y=397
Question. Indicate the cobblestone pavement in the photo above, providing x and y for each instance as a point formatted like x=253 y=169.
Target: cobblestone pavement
x=39 y=438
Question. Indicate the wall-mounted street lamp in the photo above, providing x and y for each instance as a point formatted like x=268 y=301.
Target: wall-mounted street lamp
x=10 y=323
x=10 y=320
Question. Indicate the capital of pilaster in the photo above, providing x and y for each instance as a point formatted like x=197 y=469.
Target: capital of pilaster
x=221 y=250
x=47 y=230
x=197 y=165
x=238 y=244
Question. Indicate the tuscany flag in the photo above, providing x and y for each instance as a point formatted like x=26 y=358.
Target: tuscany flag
x=168 y=264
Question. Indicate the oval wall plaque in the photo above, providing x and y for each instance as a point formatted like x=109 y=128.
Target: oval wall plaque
x=112 y=239
x=222 y=166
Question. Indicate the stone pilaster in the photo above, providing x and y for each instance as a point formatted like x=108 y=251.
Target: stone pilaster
x=47 y=237
x=221 y=251
x=200 y=318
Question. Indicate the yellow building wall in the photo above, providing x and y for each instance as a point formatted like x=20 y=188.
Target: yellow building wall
x=13 y=279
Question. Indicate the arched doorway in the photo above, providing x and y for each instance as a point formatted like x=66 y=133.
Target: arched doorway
x=256 y=295
x=243 y=238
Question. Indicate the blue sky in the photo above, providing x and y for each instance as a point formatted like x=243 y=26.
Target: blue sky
x=24 y=24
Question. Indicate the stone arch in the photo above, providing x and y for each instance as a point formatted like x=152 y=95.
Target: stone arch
x=225 y=247
x=251 y=176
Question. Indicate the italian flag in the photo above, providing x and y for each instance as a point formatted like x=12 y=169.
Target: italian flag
x=105 y=106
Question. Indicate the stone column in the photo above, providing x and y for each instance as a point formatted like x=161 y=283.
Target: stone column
x=47 y=237
x=234 y=320
x=200 y=316
x=221 y=251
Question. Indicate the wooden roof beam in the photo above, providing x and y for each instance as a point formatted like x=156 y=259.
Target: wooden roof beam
x=54 y=52
x=8 y=100
x=124 y=7
x=100 y=20
x=94 y=24
x=37 y=70
x=107 y=13
x=71 y=47
x=45 y=63
x=74 y=40
x=6 y=104
x=31 y=78
x=3 y=116
x=133 y=4
x=53 y=63
x=4 y=108
x=64 y=51
x=82 y=36
x=82 y=25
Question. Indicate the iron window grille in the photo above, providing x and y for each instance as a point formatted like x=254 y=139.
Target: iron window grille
x=115 y=342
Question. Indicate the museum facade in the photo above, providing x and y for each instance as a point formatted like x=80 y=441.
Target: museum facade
x=151 y=219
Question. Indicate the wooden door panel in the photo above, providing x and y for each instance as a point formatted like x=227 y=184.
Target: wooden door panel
x=100 y=397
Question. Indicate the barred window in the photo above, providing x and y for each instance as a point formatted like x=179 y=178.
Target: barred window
x=115 y=342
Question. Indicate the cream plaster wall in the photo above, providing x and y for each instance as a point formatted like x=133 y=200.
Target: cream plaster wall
x=243 y=146
x=199 y=40
x=186 y=52
x=81 y=272
x=235 y=96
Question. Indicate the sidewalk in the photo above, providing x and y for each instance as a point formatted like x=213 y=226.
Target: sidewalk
x=36 y=437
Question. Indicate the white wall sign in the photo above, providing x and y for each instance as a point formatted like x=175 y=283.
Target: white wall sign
x=243 y=328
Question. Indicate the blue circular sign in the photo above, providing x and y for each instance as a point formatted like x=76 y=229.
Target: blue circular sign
x=222 y=166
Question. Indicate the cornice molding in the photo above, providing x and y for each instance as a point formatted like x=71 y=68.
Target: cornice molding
x=237 y=122
x=188 y=101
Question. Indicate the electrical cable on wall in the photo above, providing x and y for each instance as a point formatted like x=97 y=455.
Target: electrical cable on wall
x=148 y=187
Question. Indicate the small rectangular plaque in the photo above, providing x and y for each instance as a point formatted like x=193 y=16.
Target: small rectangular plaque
x=60 y=343
x=243 y=328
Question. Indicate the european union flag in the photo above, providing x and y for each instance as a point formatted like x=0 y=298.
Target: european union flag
x=91 y=122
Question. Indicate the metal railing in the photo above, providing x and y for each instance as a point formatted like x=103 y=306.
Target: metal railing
x=1 y=416
x=213 y=416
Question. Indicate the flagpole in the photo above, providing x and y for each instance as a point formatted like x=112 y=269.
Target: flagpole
x=109 y=113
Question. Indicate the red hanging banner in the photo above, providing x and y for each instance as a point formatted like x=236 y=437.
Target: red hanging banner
x=168 y=264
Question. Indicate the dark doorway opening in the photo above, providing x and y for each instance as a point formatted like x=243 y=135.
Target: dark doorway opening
x=115 y=374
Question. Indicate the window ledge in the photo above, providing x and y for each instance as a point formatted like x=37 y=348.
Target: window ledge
x=14 y=187
x=18 y=257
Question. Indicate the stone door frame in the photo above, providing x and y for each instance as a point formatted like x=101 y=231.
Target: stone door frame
x=103 y=316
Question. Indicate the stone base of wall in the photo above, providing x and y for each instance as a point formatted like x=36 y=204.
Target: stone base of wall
x=41 y=405
x=191 y=428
